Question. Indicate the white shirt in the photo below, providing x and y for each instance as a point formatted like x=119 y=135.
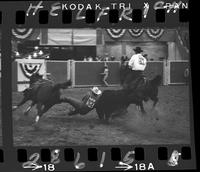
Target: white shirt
x=137 y=62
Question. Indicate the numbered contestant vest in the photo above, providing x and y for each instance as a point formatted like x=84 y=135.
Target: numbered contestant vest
x=91 y=100
x=138 y=62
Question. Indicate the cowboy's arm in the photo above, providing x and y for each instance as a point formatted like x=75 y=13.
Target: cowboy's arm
x=145 y=62
x=85 y=98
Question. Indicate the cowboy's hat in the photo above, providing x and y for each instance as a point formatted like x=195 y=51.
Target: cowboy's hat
x=96 y=90
x=138 y=50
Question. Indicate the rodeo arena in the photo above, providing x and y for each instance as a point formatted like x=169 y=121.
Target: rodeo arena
x=70 y=87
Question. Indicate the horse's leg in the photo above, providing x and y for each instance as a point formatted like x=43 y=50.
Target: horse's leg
x=142 y=107
x=41 y=111
x=39 y=108
x=155 y=101
x=29 y=108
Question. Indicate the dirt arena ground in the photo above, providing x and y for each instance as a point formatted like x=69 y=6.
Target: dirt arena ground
x=168 y=123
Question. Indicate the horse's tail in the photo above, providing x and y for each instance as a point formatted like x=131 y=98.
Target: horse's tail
x=63 y=85
x=157 y=80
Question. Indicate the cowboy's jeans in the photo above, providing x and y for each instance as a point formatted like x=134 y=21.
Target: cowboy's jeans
x=132 y=76
x=78 y=105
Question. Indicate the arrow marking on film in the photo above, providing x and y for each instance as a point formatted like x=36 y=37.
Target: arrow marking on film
x=124 y=166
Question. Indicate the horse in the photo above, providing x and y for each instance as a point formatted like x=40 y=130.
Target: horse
x=113 y=100
x=147 y=89
x=29 y=93
x=141 y=84
x=44 y=93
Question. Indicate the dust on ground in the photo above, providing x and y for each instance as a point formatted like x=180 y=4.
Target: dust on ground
x=168 y=123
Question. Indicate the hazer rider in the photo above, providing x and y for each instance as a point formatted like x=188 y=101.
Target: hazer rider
x=86 y=104
x=137 y=65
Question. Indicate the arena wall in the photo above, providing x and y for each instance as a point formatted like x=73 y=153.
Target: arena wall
x=85 y=74
x=58 y=71
x=88 y=73
x=177 y=70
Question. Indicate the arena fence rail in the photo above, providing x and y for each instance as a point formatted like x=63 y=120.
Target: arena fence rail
x=86 y=74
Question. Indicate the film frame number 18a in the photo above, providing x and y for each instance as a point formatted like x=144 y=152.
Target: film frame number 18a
x=96 y=86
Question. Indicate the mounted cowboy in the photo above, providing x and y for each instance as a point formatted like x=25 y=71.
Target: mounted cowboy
x=137 y=65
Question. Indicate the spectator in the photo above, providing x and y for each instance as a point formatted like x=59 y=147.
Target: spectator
x=100 y=58
x=85 y=58
x=106 y=58
x=186 y=75
x=126 y=58
x=112 y=58
x=122 y=59
x=90 y=59
x=97 y=58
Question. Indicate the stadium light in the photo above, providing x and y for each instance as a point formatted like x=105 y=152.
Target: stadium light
x=40 y=52
x=36 y=47
x=35 y=55
x=17 y=54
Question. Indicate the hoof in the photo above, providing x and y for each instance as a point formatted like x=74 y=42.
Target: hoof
x=14 y=108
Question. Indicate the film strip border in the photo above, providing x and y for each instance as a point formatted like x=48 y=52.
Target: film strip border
x=43 y=17
x=126 y=158
x=93 y=154
x=148 y=13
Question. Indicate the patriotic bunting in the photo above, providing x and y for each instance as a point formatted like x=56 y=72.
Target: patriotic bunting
x=154 y=33
x=30 y=68
x=116 y=33
x=136 y=32
x=22 y=33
